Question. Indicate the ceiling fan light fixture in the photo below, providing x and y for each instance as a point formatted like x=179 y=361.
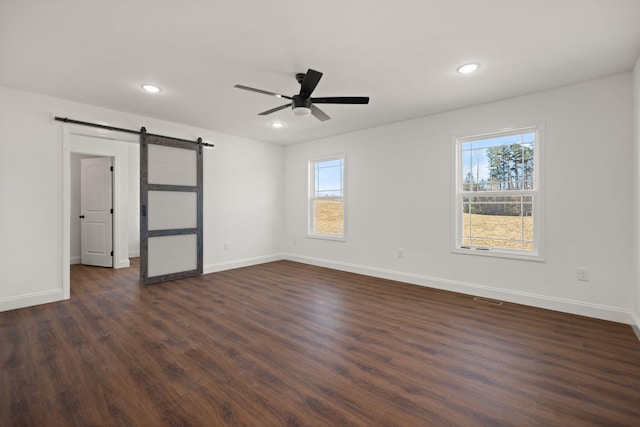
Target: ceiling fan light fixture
x=468 y=68
x=276 y=125
x=301 y=111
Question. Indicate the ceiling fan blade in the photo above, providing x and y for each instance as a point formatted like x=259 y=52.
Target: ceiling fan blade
x=277 y=95
x=319 y=114
x=309 y=82
x=273 y=110
x=341 y=100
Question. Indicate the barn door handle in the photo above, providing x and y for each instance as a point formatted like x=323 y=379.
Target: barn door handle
x=81 y=217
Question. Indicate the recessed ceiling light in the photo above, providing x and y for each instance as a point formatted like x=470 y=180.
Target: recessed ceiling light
x=276 y=125
x=468 y=68
x=150 y=88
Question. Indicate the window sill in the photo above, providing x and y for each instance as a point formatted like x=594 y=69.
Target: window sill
x=326 y=237
x=501 y=253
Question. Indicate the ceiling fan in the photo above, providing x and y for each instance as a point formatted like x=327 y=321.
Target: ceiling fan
x=303 y=104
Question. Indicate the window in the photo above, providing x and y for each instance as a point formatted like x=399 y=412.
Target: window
x=498 y=200
x=326 y=197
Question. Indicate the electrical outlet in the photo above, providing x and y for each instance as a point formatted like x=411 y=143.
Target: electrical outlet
x=226 y=246
x=583 y=274
x=401 y=253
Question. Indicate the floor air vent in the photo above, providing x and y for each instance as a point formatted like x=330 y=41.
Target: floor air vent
x=488 y=300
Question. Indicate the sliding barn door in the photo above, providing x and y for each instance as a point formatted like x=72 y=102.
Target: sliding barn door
x=170 y=209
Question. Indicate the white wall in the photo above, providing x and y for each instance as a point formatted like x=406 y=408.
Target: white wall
x=243 y=199
x=636 y=120
x=399 y=196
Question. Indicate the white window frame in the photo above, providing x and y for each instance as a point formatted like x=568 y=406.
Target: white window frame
x=312 y=198
x=538 y=193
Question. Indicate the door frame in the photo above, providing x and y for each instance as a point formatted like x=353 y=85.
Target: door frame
x=103 y=146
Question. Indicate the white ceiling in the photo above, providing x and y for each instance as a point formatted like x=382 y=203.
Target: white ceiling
x=403 y=54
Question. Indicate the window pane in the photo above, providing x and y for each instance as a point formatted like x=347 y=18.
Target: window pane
x=503 y=163
x=498 y=222
x=328 y=217
x=328 y=178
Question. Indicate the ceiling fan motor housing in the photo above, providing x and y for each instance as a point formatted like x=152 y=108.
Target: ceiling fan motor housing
x=297 y=101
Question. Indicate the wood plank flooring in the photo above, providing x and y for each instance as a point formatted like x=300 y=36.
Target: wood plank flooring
x=287 y=344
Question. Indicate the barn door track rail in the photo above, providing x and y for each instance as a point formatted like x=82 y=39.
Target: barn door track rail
x=137 y=132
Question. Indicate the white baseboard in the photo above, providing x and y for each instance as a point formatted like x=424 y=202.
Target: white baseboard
x=123 y=263
x=28 y=300
x=246 y=262
x=134 y=254
x=535 y=300
x=635 y=323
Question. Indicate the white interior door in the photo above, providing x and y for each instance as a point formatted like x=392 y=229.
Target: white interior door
x=170 y=209
x=96 y=212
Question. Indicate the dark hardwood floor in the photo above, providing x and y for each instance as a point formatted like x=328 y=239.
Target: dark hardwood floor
x=287 y=344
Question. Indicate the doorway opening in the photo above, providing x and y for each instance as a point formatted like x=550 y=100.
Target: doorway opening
x=123 y=151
